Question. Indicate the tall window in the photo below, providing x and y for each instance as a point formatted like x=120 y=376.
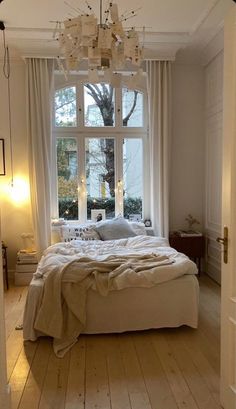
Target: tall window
x=99 y=134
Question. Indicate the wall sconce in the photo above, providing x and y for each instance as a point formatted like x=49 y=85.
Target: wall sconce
x=2 y=158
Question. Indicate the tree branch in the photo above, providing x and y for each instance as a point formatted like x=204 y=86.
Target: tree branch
x=125 y=120
x=95 y=93
x=64 y=104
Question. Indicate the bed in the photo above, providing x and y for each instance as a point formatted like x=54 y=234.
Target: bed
x=86 y=285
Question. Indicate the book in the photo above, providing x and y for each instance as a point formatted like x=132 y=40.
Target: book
x=24 y=257
x=25 y=268
x=189 y=233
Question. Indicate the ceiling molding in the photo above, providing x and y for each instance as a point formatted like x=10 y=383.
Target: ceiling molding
x=203 y=17
x=213 y=48
x=39 y=42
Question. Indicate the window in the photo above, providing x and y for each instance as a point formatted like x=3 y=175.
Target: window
x=65 y=107
x=98 y=105
x=100 y=175
x=67 y=177
x=100 y=134
x=132 y=108
x=132 y=176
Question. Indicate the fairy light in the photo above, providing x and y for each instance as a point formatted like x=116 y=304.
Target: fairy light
x=120 y=186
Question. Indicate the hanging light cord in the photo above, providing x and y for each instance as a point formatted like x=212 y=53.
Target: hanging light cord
x=6 y=73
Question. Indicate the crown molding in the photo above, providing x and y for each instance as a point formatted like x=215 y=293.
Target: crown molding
x=203 y=17
x=40 y=43
x=192 y=45
x=213 y=48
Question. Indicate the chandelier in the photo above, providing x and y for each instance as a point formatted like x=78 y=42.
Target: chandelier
x=105 y=44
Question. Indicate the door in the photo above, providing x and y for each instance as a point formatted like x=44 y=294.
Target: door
x=228 y=306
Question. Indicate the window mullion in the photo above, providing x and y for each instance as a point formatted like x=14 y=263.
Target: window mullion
x=146 y=178
x=82 y=190
x=80 y=105
x=119 y=205
x=54 y=184
x=118 y=108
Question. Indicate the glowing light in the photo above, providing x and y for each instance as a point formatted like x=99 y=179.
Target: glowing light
x=18 y=190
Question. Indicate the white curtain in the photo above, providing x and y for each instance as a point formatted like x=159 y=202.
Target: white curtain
x=159 y=104
x=39 y=79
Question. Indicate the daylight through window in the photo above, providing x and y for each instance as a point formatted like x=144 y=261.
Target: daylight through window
x=99 y=133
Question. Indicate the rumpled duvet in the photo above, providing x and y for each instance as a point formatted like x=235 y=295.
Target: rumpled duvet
x=70 y=269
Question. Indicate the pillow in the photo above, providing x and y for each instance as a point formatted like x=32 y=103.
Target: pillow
x=79 y=232
x=138 y=228
x=114 y=229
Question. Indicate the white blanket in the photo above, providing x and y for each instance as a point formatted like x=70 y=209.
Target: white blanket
x=70 y=269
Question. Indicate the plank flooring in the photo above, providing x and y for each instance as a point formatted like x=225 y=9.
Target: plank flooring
x=157 y=369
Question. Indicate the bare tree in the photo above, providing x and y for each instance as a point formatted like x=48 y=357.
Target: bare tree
x=102 y=95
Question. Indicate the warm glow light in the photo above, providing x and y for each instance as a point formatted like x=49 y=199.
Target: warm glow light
x=17 y=190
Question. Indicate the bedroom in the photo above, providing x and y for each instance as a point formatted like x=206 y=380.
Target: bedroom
x=188 y=174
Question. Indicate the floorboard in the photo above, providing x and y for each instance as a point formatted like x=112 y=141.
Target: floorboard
x=157 y=369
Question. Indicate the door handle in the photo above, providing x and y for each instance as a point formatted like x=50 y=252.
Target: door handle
x=224 y=240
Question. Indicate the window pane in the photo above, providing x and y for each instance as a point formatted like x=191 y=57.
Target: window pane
x=67 y=178
x=132 y=176
x=132 y=108
x=98 y=105
x=100 y=175
x=65 y=107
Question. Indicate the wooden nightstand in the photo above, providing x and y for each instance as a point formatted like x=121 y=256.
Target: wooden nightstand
x=192 y=246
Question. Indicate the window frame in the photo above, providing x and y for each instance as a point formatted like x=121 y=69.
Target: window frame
x=81 y=132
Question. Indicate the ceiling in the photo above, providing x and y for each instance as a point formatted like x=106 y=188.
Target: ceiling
x=171 y=24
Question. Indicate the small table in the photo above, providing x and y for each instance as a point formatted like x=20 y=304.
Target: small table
x=192 y=246
x=4 y=264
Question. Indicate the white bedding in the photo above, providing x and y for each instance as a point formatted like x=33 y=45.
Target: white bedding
x=62 y=313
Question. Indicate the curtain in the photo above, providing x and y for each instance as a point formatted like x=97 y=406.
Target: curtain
x=159 y=105
x=39 y=81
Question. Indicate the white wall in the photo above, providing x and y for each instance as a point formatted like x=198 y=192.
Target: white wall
x=188 y=158
x=15 y=213
x=187 y=164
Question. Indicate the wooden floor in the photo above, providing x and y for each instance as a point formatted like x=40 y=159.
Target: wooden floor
x=157 y=369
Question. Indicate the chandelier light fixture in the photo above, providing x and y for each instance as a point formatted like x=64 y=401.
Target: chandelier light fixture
x=104 y=43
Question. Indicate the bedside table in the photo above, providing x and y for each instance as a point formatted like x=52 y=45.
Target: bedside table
x=192 y=246
x=26 y=265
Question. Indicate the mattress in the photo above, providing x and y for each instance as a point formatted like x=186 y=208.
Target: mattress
x=169 y=304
